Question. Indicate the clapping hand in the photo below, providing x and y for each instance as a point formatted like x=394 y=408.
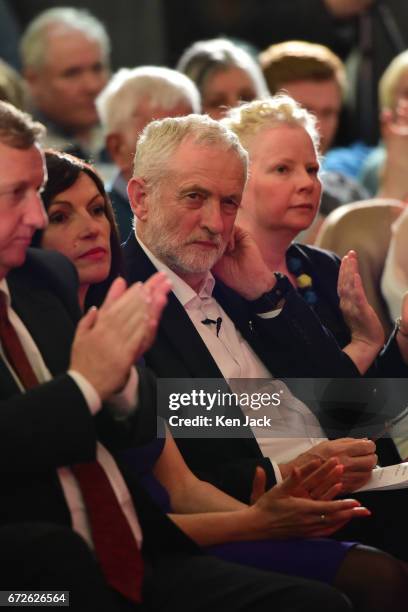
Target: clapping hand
x=367 y=334
x=110 y=340
x=289 y=510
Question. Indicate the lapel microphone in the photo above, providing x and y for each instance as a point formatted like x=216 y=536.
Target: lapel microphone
x=217 y=323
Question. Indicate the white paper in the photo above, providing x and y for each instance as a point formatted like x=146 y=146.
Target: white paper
x=388 y=478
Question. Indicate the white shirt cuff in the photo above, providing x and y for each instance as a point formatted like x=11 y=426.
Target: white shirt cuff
x=271 y=314
x=125 y=402
x=88 y=391
x=277 y=471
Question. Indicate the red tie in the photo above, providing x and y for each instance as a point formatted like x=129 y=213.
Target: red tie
x=115 y=546
x=13 y=349
x=114 y=542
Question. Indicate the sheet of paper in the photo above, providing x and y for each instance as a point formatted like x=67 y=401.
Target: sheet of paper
x=388 y=478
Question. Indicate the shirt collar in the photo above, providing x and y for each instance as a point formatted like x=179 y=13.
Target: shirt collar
x=183 y=292
x=6 y=290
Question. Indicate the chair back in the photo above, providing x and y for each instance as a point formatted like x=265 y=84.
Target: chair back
x=365 y=227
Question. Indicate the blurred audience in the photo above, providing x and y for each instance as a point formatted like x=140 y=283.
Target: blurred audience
x=12 y=86
x=65 y=56
x=133 y=98
x=225 y=74
x=315 y=77
x=385 y=170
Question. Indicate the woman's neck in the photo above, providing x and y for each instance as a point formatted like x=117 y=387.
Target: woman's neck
x=82 y=291
x=272 y=244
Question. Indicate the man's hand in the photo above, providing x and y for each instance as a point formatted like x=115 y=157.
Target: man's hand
x=367 y=333
x=318 y=480
x=357 y=457
x=109 y=341
x=242 y=267
x=280 y=513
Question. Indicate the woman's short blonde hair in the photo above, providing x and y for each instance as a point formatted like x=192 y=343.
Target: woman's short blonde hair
x=250 y=118
x=391 y=76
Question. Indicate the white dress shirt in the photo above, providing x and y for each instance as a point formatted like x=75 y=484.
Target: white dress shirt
x=125 y=402
x=236 y=359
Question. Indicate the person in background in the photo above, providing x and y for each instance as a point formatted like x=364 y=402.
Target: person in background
x=225 y=74
x=384 y=172
x=12 y=86
x=316 y=78
x=65 y=56
x=131 y=99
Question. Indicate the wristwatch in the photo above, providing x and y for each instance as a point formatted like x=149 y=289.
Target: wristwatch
x=271 y=299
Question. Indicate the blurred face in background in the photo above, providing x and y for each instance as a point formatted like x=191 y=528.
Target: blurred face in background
x=121 y=144
x=323 y=99
x=64 y=88
x=225 y=88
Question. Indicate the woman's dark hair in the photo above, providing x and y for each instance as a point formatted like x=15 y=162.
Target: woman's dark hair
x=63 y=171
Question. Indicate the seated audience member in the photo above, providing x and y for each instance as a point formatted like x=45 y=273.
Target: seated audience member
x=189 y=175
x=130 y=101
x=225 y=74
x=61 y=438
x=79 y=214
x=385 y=170
x=65 y=56
x=281 y=198
x=12 y=87
x=315 y=77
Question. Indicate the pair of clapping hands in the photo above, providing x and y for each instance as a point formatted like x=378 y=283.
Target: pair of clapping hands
x=109 y=340
x=303 y=505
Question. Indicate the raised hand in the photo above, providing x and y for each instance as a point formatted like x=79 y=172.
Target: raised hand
x=109 y=341
x=242 y=267
x=367 y=333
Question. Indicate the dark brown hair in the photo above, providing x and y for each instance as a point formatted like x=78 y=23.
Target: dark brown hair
x=63 y=171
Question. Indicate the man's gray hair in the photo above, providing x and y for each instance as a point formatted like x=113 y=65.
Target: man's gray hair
x=34 y=40
x=160 y=139
x=18 y=129
x=163 y=87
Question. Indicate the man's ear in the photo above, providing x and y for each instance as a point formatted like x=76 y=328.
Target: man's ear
x=138 y=197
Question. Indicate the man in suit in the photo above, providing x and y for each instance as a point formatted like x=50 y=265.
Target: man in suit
x=189 y=174
x=53 y=415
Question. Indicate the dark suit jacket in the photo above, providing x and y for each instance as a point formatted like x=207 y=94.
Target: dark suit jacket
x=290 y=345
x=51 y=426
x=123 y=213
